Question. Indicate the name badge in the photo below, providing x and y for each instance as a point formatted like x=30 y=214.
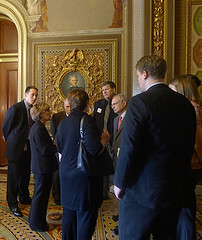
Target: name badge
x=99 y=110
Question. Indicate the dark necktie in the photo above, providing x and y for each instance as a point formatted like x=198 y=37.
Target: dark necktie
x=119 y=122
x=30 y=118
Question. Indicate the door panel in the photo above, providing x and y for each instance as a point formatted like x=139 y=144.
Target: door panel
x=8 y=96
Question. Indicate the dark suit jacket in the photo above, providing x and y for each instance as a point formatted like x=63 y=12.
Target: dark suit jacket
x=43 y=159
x=79 y=191
x=15 y=129
x=99 y=112
x=55 y=121
x=156 y=148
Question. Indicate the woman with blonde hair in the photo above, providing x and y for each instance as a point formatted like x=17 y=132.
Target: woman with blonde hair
x=43 y=164
x=186 y=85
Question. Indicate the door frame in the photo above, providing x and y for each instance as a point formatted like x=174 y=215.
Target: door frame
x=17 y=13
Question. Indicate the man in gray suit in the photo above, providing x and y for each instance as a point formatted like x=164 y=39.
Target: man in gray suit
x=119 y=105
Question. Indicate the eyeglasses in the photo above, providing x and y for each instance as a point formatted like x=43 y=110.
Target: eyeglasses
x=113 y=104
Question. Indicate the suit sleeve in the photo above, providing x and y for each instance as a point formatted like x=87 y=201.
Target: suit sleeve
x=198 y=143
x=43 y=142
x=9 y=122
x=95 y=109
x=131 y=144
x=92 y=136
x=53 y=126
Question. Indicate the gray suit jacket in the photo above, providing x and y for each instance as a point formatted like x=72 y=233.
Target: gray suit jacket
x=117 y=138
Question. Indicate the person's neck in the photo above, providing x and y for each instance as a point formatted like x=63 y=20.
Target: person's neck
x=43 y=121
x=151 y=81
x=120 y=113
x=29 y=104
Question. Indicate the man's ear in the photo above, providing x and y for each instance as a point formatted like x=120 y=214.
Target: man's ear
x=145 y=74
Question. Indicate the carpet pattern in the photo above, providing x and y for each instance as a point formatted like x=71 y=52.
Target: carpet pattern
x=12 y=227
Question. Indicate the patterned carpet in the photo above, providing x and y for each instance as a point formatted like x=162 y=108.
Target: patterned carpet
x=12 y=227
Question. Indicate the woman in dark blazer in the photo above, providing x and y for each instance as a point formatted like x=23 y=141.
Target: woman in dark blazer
x=81 y=194
x=43 y=164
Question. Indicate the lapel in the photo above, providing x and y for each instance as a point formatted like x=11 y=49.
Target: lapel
x=24 y=110
x=118 y=132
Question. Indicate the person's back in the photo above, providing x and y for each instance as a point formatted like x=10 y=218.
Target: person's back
x=167 y=120
x=153 y=168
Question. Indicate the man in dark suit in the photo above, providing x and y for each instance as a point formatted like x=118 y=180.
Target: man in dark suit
x=153 y=167
x=104 y=116
x=15 y=128
x=55 y=121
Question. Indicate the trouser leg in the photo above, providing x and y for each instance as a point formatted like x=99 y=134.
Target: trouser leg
x=24 y=177
x=12 y=183
x=38 y=210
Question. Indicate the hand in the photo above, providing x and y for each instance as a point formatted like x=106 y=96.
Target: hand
x=118 y=192
x=105 y=136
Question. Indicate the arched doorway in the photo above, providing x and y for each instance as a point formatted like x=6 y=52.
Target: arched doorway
x=8 y=73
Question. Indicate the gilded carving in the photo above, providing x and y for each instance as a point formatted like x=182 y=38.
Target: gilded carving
x=158 y=27
x=90 y=65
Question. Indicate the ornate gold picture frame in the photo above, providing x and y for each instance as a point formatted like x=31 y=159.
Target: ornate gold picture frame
x=91 y=62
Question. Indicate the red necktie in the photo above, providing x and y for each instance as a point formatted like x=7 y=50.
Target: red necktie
x=119 y=122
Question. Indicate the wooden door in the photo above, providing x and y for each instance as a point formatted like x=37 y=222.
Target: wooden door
x=8 y=96
x=8 y=74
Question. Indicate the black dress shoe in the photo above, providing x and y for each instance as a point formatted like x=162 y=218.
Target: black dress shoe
x=44 y=229
x=16 y=212
x=26 y=201
x=116 y=230
x=115 y=218
x=57 y=201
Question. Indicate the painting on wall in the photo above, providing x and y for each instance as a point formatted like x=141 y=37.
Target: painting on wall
x=117 y=21
x=70 y=81
x=194 y=58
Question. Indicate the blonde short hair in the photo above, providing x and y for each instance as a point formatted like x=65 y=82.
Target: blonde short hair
x=37 y=109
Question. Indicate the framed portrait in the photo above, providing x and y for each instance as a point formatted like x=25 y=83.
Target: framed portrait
x=70 y=81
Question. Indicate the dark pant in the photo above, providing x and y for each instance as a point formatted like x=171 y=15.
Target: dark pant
x=78 y=225
x=56 y=184
x=38 y=210
x=18 y=179
x=186 y=228
x=137 y=222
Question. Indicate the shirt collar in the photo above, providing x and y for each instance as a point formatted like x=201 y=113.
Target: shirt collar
x=157 y=83
x=123 y=115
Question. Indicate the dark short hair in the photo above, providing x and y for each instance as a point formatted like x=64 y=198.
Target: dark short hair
x=112 y=84
x=78 y=100
x=154 y=65
x=29 y=88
